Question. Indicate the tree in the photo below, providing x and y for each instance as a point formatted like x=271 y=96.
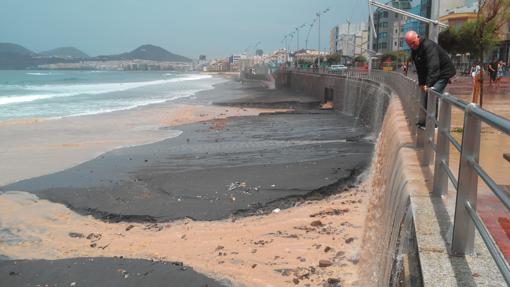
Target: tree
x=448 y=40
x=259 y=52
x=334 y=58
x=460 y=40
x=360 y=59
x=491 y=16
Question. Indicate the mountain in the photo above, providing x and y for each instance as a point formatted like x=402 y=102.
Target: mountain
x=14 y=56
x=148 y=52
x=14 y=49
x=65 y=52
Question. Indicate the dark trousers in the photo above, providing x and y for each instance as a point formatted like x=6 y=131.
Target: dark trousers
x=439 y=87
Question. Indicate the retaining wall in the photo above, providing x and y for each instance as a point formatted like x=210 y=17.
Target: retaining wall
x=408 y=229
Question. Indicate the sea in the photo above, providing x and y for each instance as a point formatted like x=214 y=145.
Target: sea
x=58 y=94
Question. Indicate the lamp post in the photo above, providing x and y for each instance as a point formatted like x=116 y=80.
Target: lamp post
x=319 y=17
x=297 y=35
x=308 y=35
x=285 y=40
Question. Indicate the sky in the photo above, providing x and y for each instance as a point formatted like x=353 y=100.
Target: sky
x=215 y=28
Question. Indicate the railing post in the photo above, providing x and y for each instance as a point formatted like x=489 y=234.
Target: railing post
x=440 y=186
x=463 y=227
x=430 y=129
x=421 y=117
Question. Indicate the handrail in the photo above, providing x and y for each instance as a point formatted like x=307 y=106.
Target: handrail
x=466 y=184
x=466 y=218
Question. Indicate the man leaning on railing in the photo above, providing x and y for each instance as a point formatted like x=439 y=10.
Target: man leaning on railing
x=433 y=65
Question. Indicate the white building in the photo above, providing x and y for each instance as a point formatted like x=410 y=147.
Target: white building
x=349 y=39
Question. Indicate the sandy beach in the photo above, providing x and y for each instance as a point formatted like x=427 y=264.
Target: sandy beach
x=188 y=179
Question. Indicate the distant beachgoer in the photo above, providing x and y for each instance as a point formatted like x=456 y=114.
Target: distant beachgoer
x=404 y=69
x=434 y=66
x=476 y=75
x=493 y=71
x=500 y=73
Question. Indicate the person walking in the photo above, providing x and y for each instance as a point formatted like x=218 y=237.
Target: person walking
x=404 y=69
x=500 y=73
x=433 y=65
x=476 y=75
x=493 y=71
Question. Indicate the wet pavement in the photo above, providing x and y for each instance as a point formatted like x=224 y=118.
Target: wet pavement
x=493 y=146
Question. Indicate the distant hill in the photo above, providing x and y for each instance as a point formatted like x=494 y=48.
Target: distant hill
x=13 y=56
x=148 y=52
x=14 y=49
x=65 y=52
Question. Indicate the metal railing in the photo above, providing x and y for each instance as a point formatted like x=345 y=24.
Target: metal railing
x=466 y=218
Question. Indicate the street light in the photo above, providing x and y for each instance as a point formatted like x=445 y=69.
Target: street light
x=319 y=17
x=309 y=30
x=297 y=33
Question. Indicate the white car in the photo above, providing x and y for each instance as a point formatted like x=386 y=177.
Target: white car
x=337 y=68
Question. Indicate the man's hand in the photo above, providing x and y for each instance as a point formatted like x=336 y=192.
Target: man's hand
x=424 y=88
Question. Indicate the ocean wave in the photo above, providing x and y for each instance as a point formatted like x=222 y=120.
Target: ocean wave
x=22 y=99
x=62 y=90
x=172 y=97
x=136 y=104
x=40 y=74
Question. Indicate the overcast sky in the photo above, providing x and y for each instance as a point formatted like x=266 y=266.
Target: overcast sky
x=189 y=27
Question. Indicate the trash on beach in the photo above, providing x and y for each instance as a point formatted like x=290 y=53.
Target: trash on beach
x=94 y=237
x=276 y=210
x=233 y=186
x=153 y=227
x=328 y=105
x=236 y=185
x=76 y=235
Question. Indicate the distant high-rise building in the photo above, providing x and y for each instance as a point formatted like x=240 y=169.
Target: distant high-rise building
x=202 y=58
x=389 y=26
x=349 y=39
x=333 y=39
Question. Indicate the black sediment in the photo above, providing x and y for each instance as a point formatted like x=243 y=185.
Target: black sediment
x=240 y=167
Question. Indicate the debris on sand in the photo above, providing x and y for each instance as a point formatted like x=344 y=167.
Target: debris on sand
x=325 y=263
x=76 y=235
x=316 y=223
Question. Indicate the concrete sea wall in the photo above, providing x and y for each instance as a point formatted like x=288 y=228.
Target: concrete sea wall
x=389 y=236
x=365 y=100
x=408 y=229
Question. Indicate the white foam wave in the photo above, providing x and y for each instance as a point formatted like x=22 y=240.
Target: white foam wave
x=40 y=74
x=54 y=91
x=135 y=105
x=22 y=99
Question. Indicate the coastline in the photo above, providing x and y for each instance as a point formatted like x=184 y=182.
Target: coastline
x=309 y=242
x=38 y=146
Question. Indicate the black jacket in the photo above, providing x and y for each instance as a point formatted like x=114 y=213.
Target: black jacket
x=432 y=63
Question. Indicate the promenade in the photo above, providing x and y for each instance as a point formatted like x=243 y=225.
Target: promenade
x=493 y=146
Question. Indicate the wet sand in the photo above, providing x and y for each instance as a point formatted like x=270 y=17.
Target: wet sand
x=216 y=169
